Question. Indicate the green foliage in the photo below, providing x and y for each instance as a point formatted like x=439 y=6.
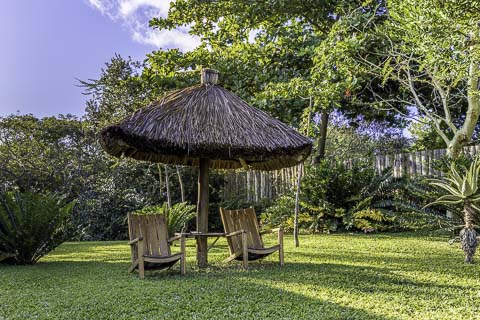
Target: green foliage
x=119 y=91
x=177 y=216
x=369 y=220
x=280 y=213
x=41 y=154
x=336 y=198
x=433 y=54
x=278 y=54
x=340 y=276
x=32 y=225
x=327 y=190
x=114 y=187
x=401 y=202
x=424 y=136
x=461 y=186
x=348 y=140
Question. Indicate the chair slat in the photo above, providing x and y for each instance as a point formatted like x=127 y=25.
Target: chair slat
x=143 y=224
x=133 y=234
x=253 y=228
x=156 y=253
x=243 y=219
x=234 y=243
x=162 y=235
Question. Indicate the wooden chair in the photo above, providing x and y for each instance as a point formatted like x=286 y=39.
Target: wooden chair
x=150 y=244
x=244 y=238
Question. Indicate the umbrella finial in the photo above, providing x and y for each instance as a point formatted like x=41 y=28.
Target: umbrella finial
x=209 y=76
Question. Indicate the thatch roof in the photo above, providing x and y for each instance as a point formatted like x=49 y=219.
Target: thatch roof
x=206 y=121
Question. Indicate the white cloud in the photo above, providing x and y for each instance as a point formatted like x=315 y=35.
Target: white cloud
x=135 y=14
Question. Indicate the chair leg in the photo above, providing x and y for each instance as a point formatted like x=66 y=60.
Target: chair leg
x=141 y=268
x=141 y=261
x=182 y=260
x=133 y=266
x=245 y=249
x=280 y=250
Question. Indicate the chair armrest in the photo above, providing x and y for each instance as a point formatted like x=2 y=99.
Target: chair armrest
x=176 y=237
x=231 y=234
x=274 y=230
x=132 y=242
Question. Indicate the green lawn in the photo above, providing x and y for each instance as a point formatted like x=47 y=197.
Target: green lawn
x=398 y=276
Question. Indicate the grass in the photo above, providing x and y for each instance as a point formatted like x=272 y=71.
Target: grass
x=400 y=276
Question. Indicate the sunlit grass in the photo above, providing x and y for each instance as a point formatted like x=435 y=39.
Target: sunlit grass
x=398 y=276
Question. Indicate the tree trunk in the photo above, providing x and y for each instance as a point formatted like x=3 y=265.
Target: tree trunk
x=167 y=184
x=180 y=183
x=464 y=135
x=468 y=236
x=297 y=205
x=160 y=180
x=322 y=139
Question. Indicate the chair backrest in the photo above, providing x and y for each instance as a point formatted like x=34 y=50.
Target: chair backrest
x=242 y=219
x=153 y=229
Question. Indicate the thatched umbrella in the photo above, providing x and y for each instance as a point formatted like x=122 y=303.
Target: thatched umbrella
x=209 y=127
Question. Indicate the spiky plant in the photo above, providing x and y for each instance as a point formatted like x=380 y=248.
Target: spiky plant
x=32 y=225
x=463 y=190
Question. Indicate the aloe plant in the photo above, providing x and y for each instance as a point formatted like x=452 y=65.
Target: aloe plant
x=463 y=190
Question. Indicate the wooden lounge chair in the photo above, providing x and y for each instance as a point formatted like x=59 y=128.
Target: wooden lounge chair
x=244 y=238
x=150 y=244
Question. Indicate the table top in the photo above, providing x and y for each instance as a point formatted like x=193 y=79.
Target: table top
x=202 y=234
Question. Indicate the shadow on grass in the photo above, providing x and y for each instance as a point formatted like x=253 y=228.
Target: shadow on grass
x=364 y=280
x=104 y=288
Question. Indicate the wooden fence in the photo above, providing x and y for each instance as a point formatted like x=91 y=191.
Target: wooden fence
x=252 y=186
x=420 y=163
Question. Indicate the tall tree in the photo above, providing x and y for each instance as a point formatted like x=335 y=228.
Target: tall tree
x=432 y=52
x=41 y=154
x=119 y=91
x=271 y=53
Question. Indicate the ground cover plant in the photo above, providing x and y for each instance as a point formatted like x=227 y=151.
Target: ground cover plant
x=339 y=276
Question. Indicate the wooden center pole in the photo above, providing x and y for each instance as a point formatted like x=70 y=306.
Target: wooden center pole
x=202 y=211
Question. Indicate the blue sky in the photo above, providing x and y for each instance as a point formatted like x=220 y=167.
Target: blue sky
x=46 y=44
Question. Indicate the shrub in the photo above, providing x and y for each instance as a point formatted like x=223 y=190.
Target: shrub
x=395 y=204
x=327 y=192
x=369 y=220
x=32 y=225
x=335 y=197
x=177 y=216
x=310 y=219
x=280 y=213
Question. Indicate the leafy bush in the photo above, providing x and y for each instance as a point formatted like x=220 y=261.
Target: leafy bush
x=310 y=219
x=335 y=197
x=369 y=220
x=177 y=216
x=32 y=225
x=396 y=204
x=327 y=190
x=280 y=213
